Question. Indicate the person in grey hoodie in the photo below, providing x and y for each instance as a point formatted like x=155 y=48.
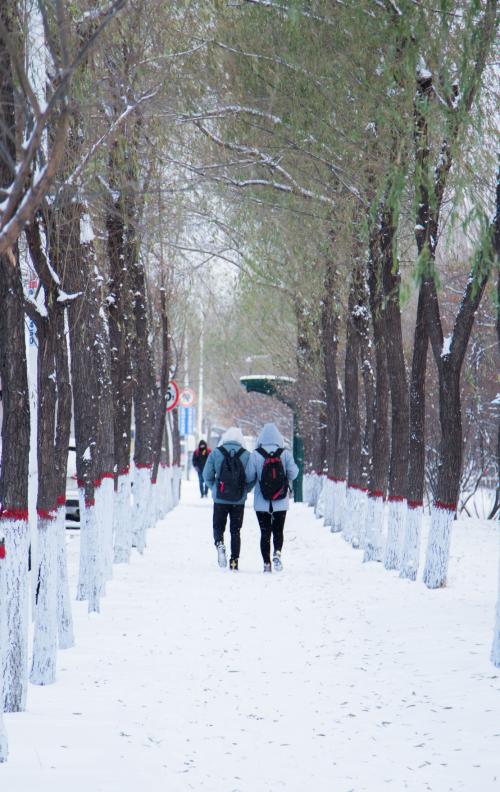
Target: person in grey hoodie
x=271 y=514
x=231 y=447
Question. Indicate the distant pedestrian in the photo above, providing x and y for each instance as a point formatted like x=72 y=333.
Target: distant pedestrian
x=271 y=468
x=200 y=457
x=225 y=475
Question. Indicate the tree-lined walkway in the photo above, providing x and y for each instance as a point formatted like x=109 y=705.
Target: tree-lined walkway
x=333 y=675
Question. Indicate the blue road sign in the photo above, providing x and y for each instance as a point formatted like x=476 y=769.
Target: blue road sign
x=186 y=420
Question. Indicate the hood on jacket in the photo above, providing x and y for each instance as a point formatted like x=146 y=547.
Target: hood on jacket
x=270 y=435
x=232 y=435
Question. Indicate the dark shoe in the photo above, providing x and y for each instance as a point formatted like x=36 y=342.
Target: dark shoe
x=278 y=566
x=267 y=567
x=221 y=555
x=233 y=564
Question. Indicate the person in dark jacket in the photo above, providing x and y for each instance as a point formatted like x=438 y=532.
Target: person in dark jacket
x=231 y=446
x=200 y=457
x=271 y=516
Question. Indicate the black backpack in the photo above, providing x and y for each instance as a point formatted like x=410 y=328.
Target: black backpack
x=231 y=482
x=273 y=481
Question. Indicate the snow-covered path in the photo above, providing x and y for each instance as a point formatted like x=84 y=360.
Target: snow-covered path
x=333 y=676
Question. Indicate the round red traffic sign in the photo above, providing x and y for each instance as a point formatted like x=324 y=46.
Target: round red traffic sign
x=172 y=399
x=187 y=397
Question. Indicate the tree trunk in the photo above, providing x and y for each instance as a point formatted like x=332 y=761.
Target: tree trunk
x=378 y=470
x=361 y=319
x=84 y=325
x=43 y=670
x=398 y=466
x=16 y=421
x=495 y=648
x=416 y=470
x=335 y=459
x=63 y=429
x=145 y=401
x=354 y=470
x=14 y=483
x=121 y=253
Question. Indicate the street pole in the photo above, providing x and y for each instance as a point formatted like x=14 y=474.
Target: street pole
x=186 y=385
x=199 y=422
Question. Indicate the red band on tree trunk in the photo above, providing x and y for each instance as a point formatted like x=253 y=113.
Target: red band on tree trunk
x=358 y=487
x=395 y=498
x=124 y=471
x=61 y=500
x=14 y=514
x=2 y=548
x=47 y=514
x=415 y=504
x=153 y=480
x=451 y=507
x=89 y=502
x=143 y=466
x=376 y=494
x=107 y=475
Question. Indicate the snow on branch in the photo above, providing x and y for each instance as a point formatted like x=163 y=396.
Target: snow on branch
x=29 y=186
x=109 y=134
x=286 y=10
x=260 y=158
x=65 y=298
x=232 y=110
x=276 y=60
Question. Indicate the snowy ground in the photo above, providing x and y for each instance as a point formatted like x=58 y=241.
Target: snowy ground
x=332 y=676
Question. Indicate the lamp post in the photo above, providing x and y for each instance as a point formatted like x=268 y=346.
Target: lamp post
x=271 y=385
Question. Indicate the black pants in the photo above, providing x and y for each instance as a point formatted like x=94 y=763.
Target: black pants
x=235 y=512
x=270 y=524
x=203 y=485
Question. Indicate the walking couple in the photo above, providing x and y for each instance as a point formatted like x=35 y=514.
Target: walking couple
x=231 y=472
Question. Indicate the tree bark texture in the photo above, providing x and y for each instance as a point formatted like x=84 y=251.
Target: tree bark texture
x=16 y=419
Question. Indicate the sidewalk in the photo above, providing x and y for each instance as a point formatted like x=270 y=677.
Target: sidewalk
x=332 y=676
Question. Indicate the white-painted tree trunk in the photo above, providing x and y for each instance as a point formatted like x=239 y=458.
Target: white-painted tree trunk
x=122 y=519
x=153 y=501
x=410 y=556
x=4 y=745
x=438 y=546
x=107 y=498
x=83 y=574
x=64 y=614
x=395 y=532
x=43 y=668
x=306 y=487
x=169 y=487
x=359 y=525
x=495 y=648
x=374 y=530
x=177 y=477
x=15 y=647
x=328 y=502
x=90 y=576
x=319 y=509
x=166 y=489
x=95 y=579
x=142 y=505
x=350 y=514
x=339 y=505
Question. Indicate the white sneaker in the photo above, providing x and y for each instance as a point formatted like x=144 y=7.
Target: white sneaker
x=278 y=566
x=221 y=555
